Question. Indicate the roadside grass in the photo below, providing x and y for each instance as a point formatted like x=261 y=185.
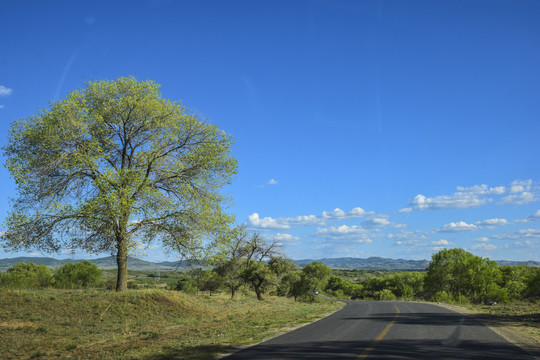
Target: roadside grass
x=518 y=321
x=141 y=324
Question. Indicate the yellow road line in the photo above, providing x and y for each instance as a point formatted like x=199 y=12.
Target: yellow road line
x=380 y=337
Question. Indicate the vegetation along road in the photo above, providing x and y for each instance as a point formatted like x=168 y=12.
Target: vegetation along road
x=389 y=330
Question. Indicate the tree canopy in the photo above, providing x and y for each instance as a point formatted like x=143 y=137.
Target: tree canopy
x=113 y=166
x=459 y=273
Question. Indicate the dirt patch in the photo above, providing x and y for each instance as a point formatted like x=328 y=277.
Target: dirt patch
x=18 y=324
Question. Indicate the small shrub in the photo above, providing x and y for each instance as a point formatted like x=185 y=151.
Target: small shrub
x=444 y=297
x=497 y=294
x=149 y=335
x=462 y=299
x=385 y=294
x=186 y=286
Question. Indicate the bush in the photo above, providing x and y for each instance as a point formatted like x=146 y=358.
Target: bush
x=496 y=293
x=28 y=275
x=186 y=286
x=79 y=275
x=209 y=281
x=444 y=297
x=461 y=299
x=385 y=294
x=533 y=284
x=355 y=291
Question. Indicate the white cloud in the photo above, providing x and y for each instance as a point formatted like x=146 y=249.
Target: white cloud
x=356 y=212
x=287 y=239
x=459 y=226
x=376 y=222
x=458 y=200
x=404 y=210
x=528 y=244
x=272 y=182
x=486 y=247
x=437 y=248
x=521 y=192
x=4 y=91
x=306 y=220
x=483 y=190
x=519 y=234
x=530 y=218
x=359 y=212
x=491 y=223
x=337 y=213
x=343 y=229
x=353 y=233
x=519 y=199
x=482 y=239
x=284 y=223
x=266 y=222
x=520 y=186
x=441 y=242
x=405 y=236
x=1 y=106
x=406 y=242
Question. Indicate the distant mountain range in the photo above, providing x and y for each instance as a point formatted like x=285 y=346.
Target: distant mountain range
x=372 y=263
x=108 y=262
x=379 y=263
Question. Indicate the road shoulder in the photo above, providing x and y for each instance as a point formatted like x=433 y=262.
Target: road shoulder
x=525 y=337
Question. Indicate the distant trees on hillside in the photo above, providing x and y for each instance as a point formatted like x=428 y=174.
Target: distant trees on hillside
x=29 y=275
x=253 y=264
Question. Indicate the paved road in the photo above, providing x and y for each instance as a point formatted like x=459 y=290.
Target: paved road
x=389 y=330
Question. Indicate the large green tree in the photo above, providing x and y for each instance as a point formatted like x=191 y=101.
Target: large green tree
x=460 y=273
x=114 y=166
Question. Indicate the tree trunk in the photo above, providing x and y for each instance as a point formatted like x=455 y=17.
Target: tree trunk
x=121 y=260
x=258 y=292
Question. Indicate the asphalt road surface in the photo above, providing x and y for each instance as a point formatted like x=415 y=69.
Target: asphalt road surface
x=389 y=330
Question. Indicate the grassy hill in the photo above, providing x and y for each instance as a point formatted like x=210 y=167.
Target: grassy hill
x=140 y=324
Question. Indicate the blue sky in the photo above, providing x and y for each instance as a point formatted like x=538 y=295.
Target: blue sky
x=363 y=128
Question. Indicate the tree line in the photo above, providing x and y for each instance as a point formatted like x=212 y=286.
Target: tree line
x=453 y=276
x=252 y=264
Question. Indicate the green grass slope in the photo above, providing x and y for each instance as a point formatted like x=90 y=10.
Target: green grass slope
x=139 y=324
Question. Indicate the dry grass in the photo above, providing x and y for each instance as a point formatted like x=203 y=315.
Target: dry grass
x=140 y=324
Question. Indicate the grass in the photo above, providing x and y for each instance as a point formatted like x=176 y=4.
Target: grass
x=518 y=321
x=140 y=324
